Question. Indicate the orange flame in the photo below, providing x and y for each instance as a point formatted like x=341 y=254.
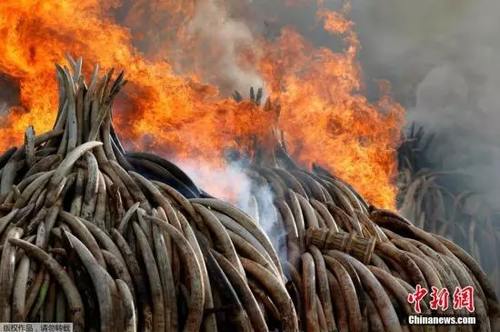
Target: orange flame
x=325 y=118
x=327 y=121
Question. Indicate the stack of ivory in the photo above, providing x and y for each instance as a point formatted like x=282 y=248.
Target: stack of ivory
x=330 y=229
x=447 y=202
x=117 y=241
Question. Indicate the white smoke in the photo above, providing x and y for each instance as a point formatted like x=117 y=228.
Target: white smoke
x=4 y=108
x=232 y=184
x=214 y=28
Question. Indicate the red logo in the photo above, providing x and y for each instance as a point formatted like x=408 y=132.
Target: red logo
x=416 y=297
x=440 y=298
x=464 y=298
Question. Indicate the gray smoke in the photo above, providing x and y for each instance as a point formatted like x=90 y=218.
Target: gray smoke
x=9 y=94
x=442 y=57
x=214 y=27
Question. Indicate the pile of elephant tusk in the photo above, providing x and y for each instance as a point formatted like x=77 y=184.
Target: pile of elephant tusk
x=118 y=241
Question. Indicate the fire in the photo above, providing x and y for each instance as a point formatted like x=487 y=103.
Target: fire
x=325 y=118
x=327 y=121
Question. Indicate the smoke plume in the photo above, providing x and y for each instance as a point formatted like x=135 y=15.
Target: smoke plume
x=442 y=57
x=231 y=183
x=205 y=38
x=216 y=30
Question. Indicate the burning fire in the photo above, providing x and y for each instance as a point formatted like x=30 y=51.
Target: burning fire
x=324 y=117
